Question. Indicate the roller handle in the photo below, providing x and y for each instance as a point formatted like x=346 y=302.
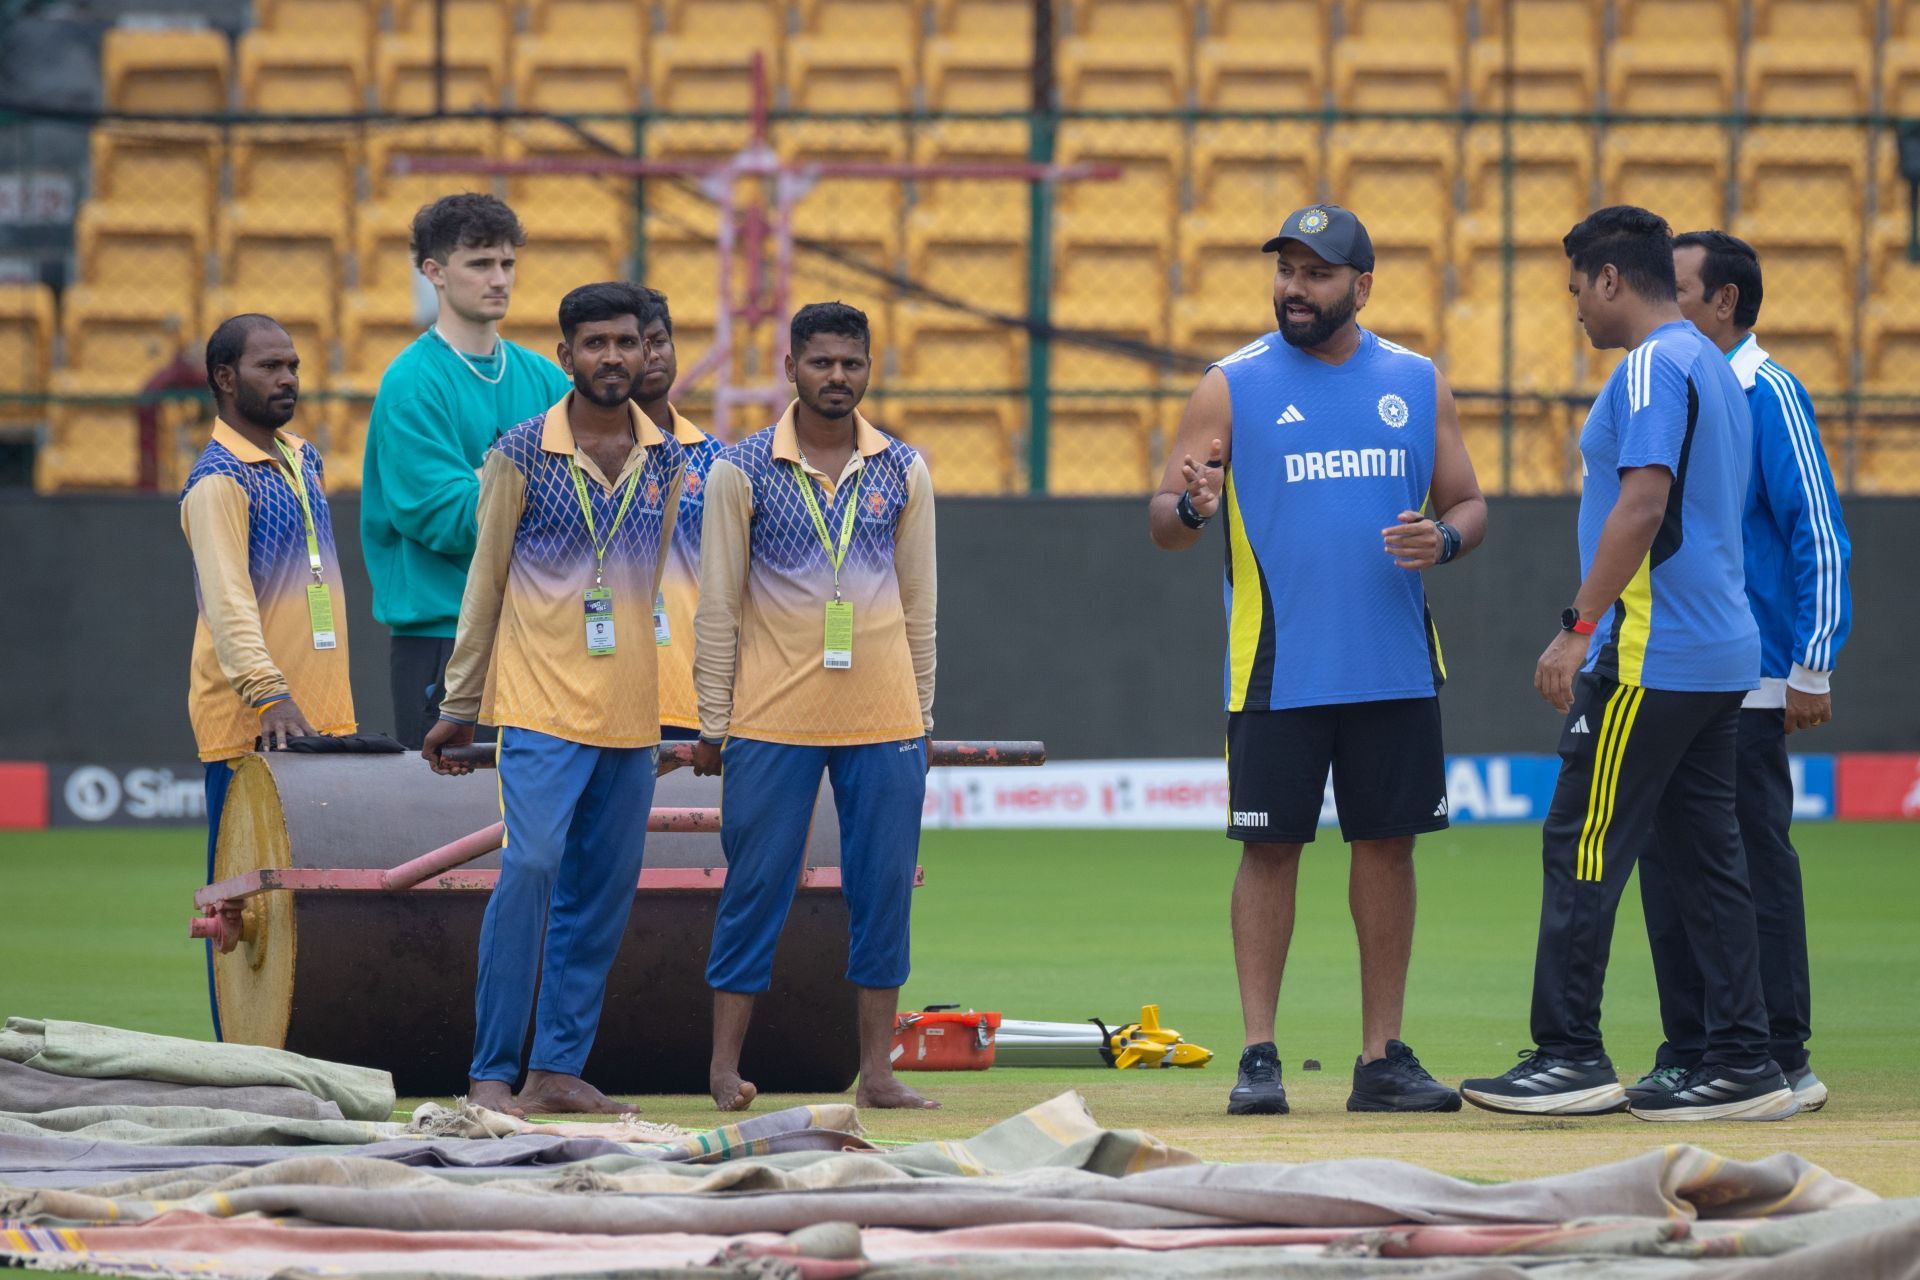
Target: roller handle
x=674 y=755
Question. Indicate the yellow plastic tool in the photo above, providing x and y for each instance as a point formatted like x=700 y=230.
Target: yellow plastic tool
x=1148 y=1044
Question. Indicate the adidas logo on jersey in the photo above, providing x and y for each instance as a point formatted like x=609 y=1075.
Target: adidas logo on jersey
x=1291 y=415
x=1580 y=726
x=1440 y=810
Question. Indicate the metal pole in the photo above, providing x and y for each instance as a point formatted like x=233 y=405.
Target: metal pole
x=1040 y=250
x=1506 y=253
x=439 y=57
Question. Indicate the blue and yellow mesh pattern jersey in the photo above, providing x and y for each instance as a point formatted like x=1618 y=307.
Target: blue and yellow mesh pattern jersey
x=253 y=638
x=1683 y=622
x=680 y=585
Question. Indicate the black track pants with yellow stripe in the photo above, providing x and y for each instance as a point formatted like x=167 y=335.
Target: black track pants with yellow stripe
x=1636 y=765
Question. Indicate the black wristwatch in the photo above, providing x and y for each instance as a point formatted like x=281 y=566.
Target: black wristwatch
x=1449 y=541
x=1188 y=516
x=1570 y=621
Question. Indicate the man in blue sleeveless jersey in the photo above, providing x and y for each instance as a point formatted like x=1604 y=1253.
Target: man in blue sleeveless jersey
x=1315 y=436
x=1649 y=669
x=1796 y=561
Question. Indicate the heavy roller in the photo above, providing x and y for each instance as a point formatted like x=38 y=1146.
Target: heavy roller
x=345 y=920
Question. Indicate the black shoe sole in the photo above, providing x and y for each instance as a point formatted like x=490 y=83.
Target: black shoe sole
x=1447 y=1102
x=1259 y=1107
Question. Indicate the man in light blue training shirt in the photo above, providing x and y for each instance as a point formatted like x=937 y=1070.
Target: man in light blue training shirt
x=442 y=403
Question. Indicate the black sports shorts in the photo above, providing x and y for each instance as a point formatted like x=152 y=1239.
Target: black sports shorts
x=1389 y=772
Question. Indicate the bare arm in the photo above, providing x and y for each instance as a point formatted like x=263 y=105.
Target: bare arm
x=1454 y=494
x=1625 y=540
x=1197 y=464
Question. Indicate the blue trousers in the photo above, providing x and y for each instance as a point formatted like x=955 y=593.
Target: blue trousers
x=766 y=806
x=219 y=774
x=576 y=834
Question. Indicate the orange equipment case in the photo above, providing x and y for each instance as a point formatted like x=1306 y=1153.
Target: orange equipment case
x=938 y=1040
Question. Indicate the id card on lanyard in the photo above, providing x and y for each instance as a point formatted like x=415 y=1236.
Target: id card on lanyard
x=319 y=597
x=837 y=640
x=597 y=599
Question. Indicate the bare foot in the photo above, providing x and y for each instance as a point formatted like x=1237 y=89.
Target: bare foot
x=494 y=1095
x=730 y=1092
x=887 y=1091
x=547 y=1093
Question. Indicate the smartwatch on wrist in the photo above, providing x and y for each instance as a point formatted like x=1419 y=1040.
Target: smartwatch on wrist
x=1570 y=621
x=1449 y=541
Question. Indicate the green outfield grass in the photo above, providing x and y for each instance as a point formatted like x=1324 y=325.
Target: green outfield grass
x=1071 y=924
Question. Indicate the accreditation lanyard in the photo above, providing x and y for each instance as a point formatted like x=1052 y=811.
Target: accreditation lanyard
x=837 y=644
x=319 y=598
x=599 y=600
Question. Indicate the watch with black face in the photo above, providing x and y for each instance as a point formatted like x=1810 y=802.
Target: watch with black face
x=1570 y=621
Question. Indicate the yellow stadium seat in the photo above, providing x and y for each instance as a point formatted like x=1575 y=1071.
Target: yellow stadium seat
x=1222 y=270
x=967 y=442
x=1254 y=169
x=1552 y=168
x=118 y=338
x=404 y=74
x=1151 y=157
x=980 y=56
x=337 y=19
x=896 y=21
x=1112 y=356
x=1817 y=72
x=955 y=252
x=312 y=172
x=592 y=198
x=1543 y=327
x=1886 y=459
x=974 y=142
x=1428 y=21
x=382 y=254
x=1399 y=55
x=307 y=318
x=1209 y=328
x=1116 y=273
x=1554 y=56
x=685 y=267
x=180 y=71
x=480 y=27
x=1900 y=77
x=940 y=347
x=91 y=444
x=1652 y=67
x=618 y=24
x=562 y=253
x=862 y=215
x=467 y=140
x=1126 y=54
x=1397 y=177
x=281 y=249
x=169 y=170
x=145 y=253
x=579 y=72
x=1892 y=347
x=1009 y=20
x=303 y=72
x=1811 y=173
x=1407 y=286
x=1678 y=171
x=700 y=62
x=680 y=199
x=854 y=55
x=373 y=330
x=1100 y=446
x=1262 y=55
x=1810 y=270
x=26 y=347
x=1540 y=457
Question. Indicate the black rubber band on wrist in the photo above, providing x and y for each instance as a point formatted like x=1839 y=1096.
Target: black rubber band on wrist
x=1188 y=516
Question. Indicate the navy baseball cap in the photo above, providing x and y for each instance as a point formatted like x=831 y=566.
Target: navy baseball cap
x=1330 y=231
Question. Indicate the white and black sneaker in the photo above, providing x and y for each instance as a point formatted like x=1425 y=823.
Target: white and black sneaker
x=1720 y=1093
x=1807 y=1087
x=1659 y=1080
x=1258 y=1091
x=1543 y=1085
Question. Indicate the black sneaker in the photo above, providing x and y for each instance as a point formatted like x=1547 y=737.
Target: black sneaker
x=1398 y=1082
x=1543 y=1085
x=1807 y=1087
x=1657 y=1081
x=1258 y=1092
x=1720 y=1093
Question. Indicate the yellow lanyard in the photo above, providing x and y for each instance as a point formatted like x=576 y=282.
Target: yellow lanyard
x=298 y=483
x=586 y=513
x=835 y=556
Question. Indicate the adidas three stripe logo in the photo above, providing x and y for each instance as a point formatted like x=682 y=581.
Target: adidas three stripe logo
x=1291 y=415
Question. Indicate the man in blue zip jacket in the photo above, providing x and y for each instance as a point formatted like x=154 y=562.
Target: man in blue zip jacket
x=1796 y=564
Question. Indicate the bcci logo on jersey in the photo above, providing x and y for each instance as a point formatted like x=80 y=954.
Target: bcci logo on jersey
x=1393 y=411
x=1345 y=464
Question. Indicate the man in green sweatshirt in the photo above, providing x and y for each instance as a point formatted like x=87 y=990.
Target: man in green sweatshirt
x=441 y=405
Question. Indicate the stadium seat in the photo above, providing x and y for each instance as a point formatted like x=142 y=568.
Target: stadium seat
x=383 y=256
x=1408 y=282
x=1097 y=446
x=26 y=347
x=307 y=318
x=1151 y=157
x=980 y=56
x=313 y=173
x=1399 y=55
x=957 y=252
x=1115 y=273
x=401 y=195
x=700 y=62
x=598 y=199
x=373 y=330
x=684 y=266
x=476 y=27
x=1397 y=177
x=1891 y=348
x=354 y=20
x=1554 y=56
x=999 y=201
x=561 y=253
x=144 y=252
x=1886 y=459
x=342 y=429
x=178 y=71
x=118 y=338
x=618 y=25
x=91 y=443
x=582 y=72
x=281 y=249
x=1900 y=77
x=1543 y=328
x=303 y=72
x=860 y=215
x=1679 y=170
x=1552 y=169
x=1207 y=329
x=1254 y=169
x=942 y=348
x=680 y=199
x=1222 y=270
x=1811 y=56
x=1808 y=323
x=1126 y=55
x=1132 y=362
x=854 y=55
x=967 y=442
x=1262 y=55
x=1542 y=455
x=1812 y=173
x=166 y=170
x=1653 y=67
x=404 y=70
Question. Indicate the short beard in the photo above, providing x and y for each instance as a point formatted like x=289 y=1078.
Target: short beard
x=258 y=409
x=1325 y=323
x=833 y=414
x=586 y=387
